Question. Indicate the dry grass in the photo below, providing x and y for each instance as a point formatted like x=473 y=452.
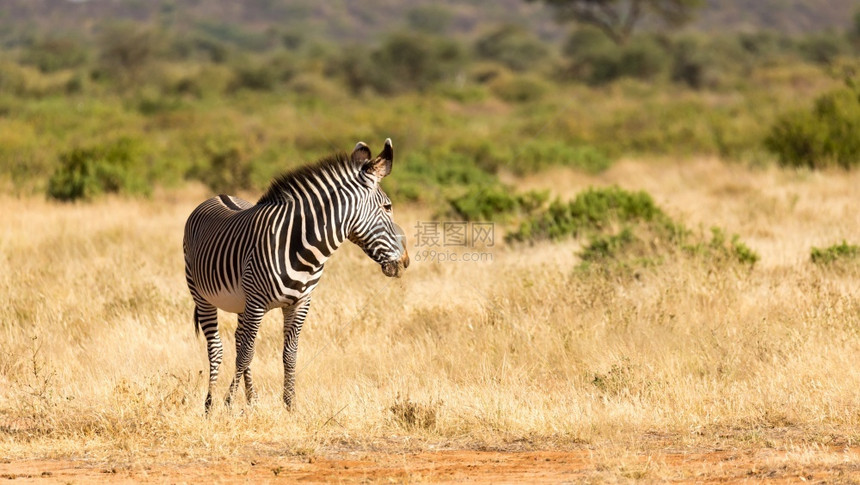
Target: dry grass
x=99 y=359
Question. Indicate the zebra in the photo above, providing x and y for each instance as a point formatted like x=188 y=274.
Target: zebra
x=249 y=258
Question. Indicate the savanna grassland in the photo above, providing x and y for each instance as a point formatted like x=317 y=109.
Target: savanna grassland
x=670 y=293
x=524 y=352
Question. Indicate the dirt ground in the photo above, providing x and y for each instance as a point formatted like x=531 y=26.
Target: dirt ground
x=723 y=466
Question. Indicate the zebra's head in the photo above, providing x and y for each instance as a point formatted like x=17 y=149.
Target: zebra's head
x=375 y=231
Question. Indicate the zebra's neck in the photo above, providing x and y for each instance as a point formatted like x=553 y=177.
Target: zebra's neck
x=323 y=207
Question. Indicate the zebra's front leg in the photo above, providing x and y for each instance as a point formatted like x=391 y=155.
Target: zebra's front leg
x=294 y=317
x=246 y=334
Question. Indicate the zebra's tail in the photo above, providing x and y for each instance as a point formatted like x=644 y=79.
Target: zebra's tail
x=196 y=321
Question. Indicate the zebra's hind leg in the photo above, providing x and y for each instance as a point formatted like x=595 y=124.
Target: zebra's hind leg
x=246 y=333
x=294 y=317
x=250 y=393
x=207 y=320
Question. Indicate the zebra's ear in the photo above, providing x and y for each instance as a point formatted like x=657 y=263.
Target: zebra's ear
x=381 y=165
x=360 y=153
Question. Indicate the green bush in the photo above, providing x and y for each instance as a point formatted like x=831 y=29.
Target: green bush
x=591 y=210
x=678 y=126
x=235 y=33
x=227 y=171
x=765 y=46
x=519 y=88
x=432 y=177
x=536 y=155
x=126 y=49
x=264 y=74
x=596 y=60
x=709 y=62
x=405 y=61
x=592 y=57
x=644 y=59
x=645 y=244
x=53 y=53
x=602 y=247
x=86 y=172
x=824 y=47
x=720 y=249
x=353 y=67
x=409 y=62
x=512 y=46
x=495 y=203
x=836 y=252
x=197 y=46
x=646 y=237
x=828 y=135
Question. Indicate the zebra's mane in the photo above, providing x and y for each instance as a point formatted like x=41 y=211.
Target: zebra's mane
x=286 y=181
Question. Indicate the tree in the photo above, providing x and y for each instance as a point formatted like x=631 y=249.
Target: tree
x=617 y=18
x=126 y=48
x=513 y=46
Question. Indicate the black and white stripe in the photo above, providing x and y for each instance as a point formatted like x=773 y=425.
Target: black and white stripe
x=248 y=259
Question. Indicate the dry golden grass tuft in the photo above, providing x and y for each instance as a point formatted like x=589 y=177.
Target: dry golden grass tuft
x=99 y=359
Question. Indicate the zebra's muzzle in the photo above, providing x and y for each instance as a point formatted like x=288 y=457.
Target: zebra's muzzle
x=392 y=269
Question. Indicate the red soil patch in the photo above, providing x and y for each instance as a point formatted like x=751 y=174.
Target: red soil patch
x=465 y=466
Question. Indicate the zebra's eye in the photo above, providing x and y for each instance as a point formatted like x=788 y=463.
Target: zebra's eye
x=387 y=207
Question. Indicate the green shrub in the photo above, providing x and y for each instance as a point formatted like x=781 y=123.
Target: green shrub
x=512 y=46
x=536 y=155
x=495 y=203
x=741 y=252
x=707 y=62
x=765 y=46
x=603 y=247
x=824 y=47
x=518 y=88
x=828 y=135
x=151 y=102
x=197 y=46
x=86 y=172
x=227 y=171
x=353 y=67
x=645 y=244
x=54 y=53
x=836 y=252
x=487 y=155
x=252 y=40
x=591 y=210
x=644 y=59
x=592 y=57
x=647 y=234
x=678 y=126
x=411 y=62
x=596 y=60
x=126 y=49
x=264 y=74
x=720 y=249
x=486 y=72
x=432 y=177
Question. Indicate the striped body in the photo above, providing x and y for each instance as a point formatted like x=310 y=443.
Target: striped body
x=250 y=258
x=238 y=268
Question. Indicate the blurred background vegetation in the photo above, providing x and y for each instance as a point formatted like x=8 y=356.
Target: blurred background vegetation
x=123 y=96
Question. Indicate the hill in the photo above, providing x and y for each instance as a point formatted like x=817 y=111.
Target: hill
x=343 y=21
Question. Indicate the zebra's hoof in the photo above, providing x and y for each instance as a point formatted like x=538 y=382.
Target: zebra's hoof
x=207 y=406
